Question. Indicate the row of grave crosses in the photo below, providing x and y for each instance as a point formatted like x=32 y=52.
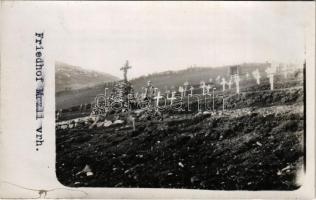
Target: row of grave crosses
x=235 y=79
x=185 y=90
x=271 y=71
x=153 y=93
x=223 y=82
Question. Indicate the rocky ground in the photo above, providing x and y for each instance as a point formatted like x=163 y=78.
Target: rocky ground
x=250 y=146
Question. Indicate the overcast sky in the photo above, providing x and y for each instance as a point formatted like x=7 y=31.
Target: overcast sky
x=159 y=36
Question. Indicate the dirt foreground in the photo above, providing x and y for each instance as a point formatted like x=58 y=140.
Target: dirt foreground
x=244 y=149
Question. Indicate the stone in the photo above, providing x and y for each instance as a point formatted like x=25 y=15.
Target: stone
x=259 y=144
x=89 y=173
x=99 y=124
x=180 y=164
x=107 y=123
x=194 y=179
x=118 y=121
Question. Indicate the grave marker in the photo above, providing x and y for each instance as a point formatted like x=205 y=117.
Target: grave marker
x=208 y=87
x=191 y=90
x=247 y=75
x=213 y=99
x=223 y=83
x=218 y=79
x=124 y=69
x=270 y=73
x=158 y=97
x=257 y=76
x=172 y=97
x=167 y=94
x=230 y=83
x=186 y=84
x=237 y=80
x=285 y=71
x=155 y=90
x=203 y=86
x=181 y=90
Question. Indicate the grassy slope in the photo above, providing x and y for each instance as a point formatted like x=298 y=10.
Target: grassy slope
x=70 y=77
x=245 y=149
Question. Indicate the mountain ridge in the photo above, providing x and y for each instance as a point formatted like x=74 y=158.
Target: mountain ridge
x=71 y=77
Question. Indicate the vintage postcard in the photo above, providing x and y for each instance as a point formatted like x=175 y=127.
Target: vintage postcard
x=157 y=100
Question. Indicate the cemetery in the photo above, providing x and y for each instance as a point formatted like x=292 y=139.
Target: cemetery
x=241 y=131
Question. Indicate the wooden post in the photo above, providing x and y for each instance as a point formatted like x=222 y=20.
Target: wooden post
x=223 y=103
x=213 y=99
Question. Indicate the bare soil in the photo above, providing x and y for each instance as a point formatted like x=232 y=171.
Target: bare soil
x=250 y=148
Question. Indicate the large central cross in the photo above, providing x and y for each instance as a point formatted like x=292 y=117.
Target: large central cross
x=124 y=69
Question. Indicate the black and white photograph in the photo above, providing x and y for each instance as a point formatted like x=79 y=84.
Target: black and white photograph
x=157 y=100
x=179 y=97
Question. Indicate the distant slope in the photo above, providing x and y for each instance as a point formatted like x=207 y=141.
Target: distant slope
x=70 y=77
x=194 y=75
x=163 y=80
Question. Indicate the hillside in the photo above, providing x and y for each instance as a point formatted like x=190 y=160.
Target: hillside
x=255 y=144
x=193 y=74
x=70 y=77
x=163 y=81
